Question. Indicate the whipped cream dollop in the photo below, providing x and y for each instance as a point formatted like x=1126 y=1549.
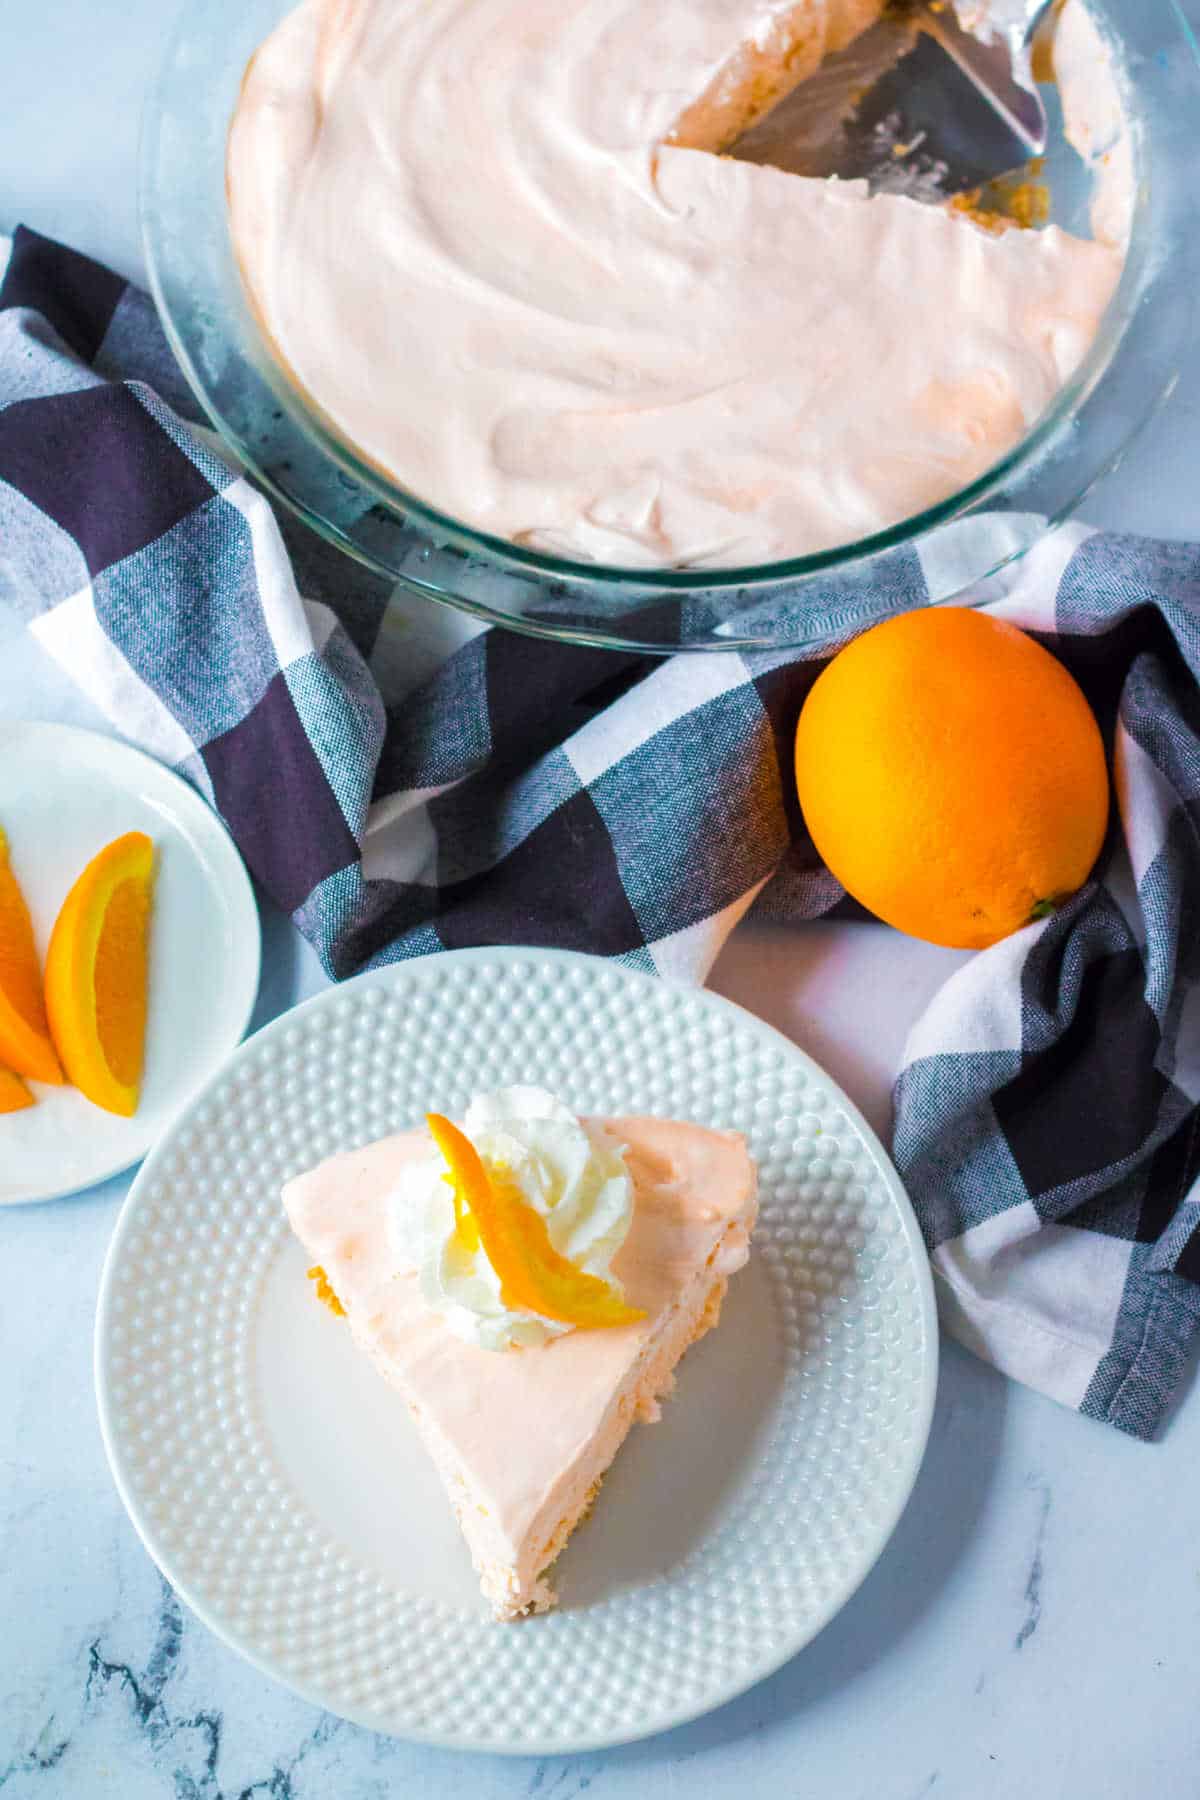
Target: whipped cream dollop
x=571 y=1172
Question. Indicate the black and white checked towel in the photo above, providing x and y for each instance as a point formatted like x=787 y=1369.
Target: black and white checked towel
x=1048 y=1113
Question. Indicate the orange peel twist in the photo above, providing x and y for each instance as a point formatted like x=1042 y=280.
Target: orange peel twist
x=533 y=1276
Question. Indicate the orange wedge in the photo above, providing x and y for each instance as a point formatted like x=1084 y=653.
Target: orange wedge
x=24 y=1033
x=14 y=1095
x=96 y=974
x=533 y=1276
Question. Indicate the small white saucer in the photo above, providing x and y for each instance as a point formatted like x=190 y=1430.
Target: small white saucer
x=64 y=794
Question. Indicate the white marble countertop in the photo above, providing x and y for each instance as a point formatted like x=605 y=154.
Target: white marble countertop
x=1034 y=1627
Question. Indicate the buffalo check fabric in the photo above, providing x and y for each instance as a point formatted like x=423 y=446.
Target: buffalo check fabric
x=1048 y=1111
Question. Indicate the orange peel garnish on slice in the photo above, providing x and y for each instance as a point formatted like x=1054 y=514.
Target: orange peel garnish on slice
x=533 y=1276
x=466 y=1231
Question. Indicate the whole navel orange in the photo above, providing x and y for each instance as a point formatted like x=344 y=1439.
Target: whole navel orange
x=952 y=776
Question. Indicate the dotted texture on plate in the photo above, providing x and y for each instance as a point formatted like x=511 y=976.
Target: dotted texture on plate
x=203 y=1224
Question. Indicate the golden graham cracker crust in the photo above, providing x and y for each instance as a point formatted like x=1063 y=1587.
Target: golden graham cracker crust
x=523 y=1437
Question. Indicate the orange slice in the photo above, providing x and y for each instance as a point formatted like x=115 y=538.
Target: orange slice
x=96 y=974
x=533 y=1276
x=14 y=1095
x=24 y=1033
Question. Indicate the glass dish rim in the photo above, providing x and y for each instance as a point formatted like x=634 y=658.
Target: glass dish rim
x=503 y=556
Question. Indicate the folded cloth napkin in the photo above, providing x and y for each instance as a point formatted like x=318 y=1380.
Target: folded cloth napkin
x=1047 y=1124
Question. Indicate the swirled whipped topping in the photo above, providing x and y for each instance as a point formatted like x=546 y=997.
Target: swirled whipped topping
x=571 y=1172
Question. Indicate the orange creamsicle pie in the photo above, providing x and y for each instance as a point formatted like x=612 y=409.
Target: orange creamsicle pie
x=528 y=1265
x=497 y=247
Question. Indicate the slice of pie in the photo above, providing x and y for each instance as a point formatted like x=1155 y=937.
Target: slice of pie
x=523 y=1431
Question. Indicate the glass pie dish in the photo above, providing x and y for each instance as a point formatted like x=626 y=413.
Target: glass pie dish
x=935 y=555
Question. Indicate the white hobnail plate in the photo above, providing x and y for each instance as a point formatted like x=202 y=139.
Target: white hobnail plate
x=280 y=1487
x=64 y=794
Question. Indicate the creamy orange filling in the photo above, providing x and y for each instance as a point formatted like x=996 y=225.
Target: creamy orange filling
x=610 y=344
x=534 y=1278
